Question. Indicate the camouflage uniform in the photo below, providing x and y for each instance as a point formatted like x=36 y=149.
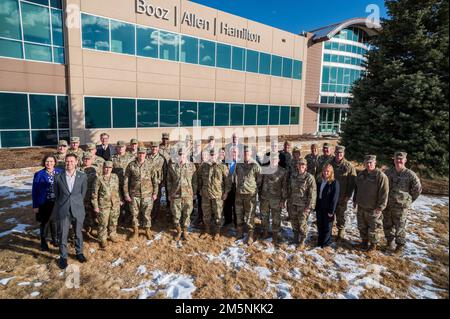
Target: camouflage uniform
x=60 y=160
x=91 y=174
x=98 y=162
x=404 y=189
x=140 y=183
x=273 y=193
x=371 y=192
x=302 y=196
x=106 y=198
x=345 y=174
x=312 y=163
x=212 y=179
x=181 y=187
x=160 y=166
x=285 y=159
x=247 y=178
x=120 y=164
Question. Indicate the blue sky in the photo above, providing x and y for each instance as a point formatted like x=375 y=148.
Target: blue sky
x=295 y=15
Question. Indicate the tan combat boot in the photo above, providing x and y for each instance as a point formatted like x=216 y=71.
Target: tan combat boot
x=217 y=233
x=250 y=238
x=148 y=233
x=103 y=244
x=113 y=238
x=206 y=232
x=135 y=234
x=341 y=234
x=185 y=234
x=178 y=235
x=391 y=245
x=301 y=244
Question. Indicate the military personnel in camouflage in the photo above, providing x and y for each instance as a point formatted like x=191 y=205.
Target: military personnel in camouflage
x=312 y=160
x=165 y=149
x=345 y=174
x=97 y=161
x=91 y=174
x=76 y=149
x=404 y=189
x=211 y=145
x=370 y=198
x=140 y=190
x=106 y=202
x=120 y=162
x=134 y=145
x=247 y=176
x=324 y=158
x=160 y=166
x=285 y=155
x=296 y=155
x=273 y=195
x=181 y=187
x=212 y=178
x=60 y=155
x=302 y=199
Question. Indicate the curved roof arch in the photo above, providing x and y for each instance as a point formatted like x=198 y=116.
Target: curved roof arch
x=327 y=32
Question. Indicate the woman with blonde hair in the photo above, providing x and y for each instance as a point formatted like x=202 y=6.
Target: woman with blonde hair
x=327 y=199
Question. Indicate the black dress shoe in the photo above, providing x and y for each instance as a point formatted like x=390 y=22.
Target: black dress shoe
x=62 y=263
x=81 y=258
x=44 y=246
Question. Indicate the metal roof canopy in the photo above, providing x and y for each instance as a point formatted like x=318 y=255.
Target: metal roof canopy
x=328 y=32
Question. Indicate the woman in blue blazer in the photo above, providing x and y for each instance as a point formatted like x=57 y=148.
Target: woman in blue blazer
x=327 y=198
x=43 y=196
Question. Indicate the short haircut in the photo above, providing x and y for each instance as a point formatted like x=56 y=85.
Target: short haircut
x=72 y=155
x=47 y=156
x=104 y=134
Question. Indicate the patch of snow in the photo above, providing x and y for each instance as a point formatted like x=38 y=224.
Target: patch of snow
x=21 y=204
x=37 y=284
x=234 y=257
x=91 y=250
x=5 y=281
x=35 y=294
x=117 y=262
x=11 y=221
x=19 y=228
x=142 y=270
x=157 y=237
x=24 y=283
x=295 y=273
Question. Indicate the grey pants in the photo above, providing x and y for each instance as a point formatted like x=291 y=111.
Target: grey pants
x=64 y=225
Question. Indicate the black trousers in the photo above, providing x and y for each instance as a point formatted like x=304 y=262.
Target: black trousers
x=324 y=228
x=229 y=209
x=44 y=216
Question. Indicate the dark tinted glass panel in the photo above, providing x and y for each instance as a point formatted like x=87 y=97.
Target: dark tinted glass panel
x=38 y=52
x=188 y=113
x=287 y=67
x=97 y=112
x=58 y=55
x=56 y=4
x=252 y=61
x=189 y=50
x=297 y=70
x=57 y=27
x=276 y=65
x=147 y=42
x=250 y=115
x=36 y=23
x=43 y=111
x=168 y=113
x=169 y=44
x=63 y=111
x=95 y=32
x=44 y=138
x=64 y=135
x=295 y=115
x=15 y=138
x=124 y=113
x=11 y=49
x=222 y=114
x=206 y=113
x=10 y=19
x=284 y=115
x=274 y=115
x=147 y=113
x=43 y=2
x=263 y=114
x=13 y=111
x=207 y=53
x=238 y=59
x=264 y=63
x=223 y=56
x=237 y=114
x=122 y=37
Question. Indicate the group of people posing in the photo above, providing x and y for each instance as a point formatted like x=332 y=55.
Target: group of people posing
x=97 y=189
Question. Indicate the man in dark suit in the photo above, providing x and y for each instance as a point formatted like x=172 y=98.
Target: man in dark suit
x=105 y=149
x=70 y=188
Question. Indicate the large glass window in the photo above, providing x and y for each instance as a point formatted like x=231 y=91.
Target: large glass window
x=147 y=42
x=264 y=63
x=295 y=115
x=188 y=113
x=63 y=111
x=206 y=113
x=15 y=138
x=287 y=67
x=13 y=111
x=10 y=19
x=252 y=61
x=147 y=113
x=277 y=63
x=122 y=37
x=11 y=49
x=95 y=32
x=223 y=56
x=168 y=111
x=238 y=55
x=36 y=23
x=124 y=113
x=189 y=50
x=56 y=4
x=263 y=114
x=38 y=52
x=169 y=44
x=297 y=70
x=43 y=2
x=274 y=115
x=237 y=115
x=97 y=112
x=222 y=114
x=250 y=114
x=58 y=55
x=57 y=28
x=44 y=138
x=43 y=111
x=284 y=115
x=207 y=53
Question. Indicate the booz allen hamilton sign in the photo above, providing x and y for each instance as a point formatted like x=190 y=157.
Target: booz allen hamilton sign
x=194 y=21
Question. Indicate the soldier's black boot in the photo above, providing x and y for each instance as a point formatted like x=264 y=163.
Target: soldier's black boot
x=364 y=245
